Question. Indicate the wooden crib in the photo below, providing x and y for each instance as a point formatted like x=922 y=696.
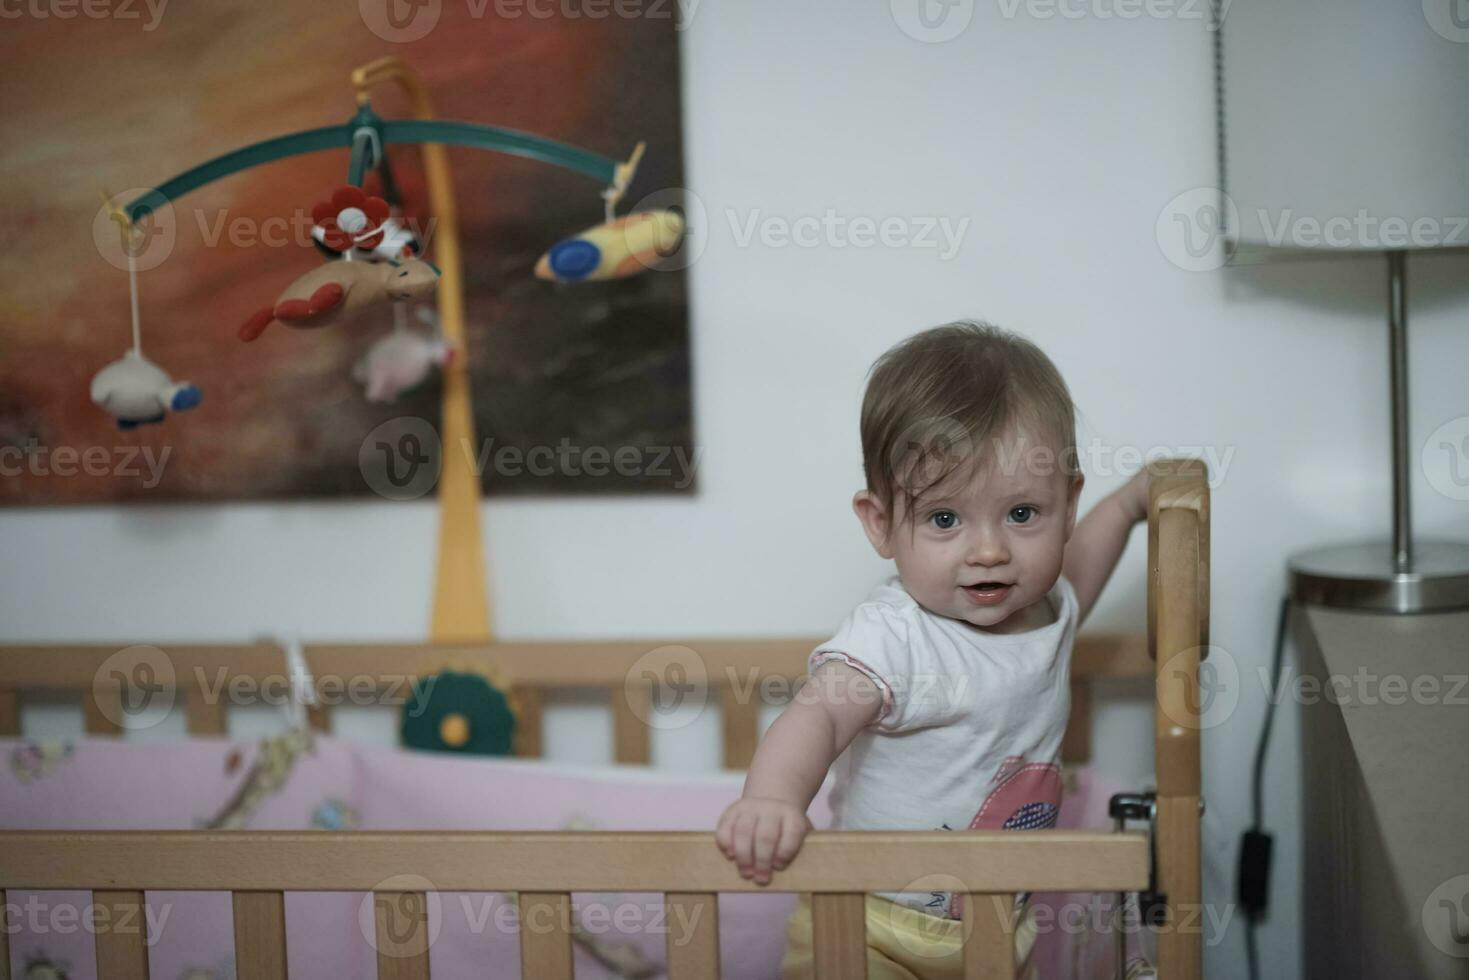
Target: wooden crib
x=258 y=867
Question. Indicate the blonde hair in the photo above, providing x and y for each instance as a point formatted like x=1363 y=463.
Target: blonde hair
x=934 y=402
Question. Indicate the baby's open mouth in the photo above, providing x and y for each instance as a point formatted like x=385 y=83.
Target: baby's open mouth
x=988 y=593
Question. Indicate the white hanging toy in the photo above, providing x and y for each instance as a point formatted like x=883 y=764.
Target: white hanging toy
x=135 y=391
x=132 y=389
x=403 y=359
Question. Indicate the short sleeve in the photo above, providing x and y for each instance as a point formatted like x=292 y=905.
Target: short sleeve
x=875 y=641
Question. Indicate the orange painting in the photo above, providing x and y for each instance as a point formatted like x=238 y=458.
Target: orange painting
x=576 y=388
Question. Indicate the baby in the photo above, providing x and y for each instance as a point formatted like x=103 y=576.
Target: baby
x=943 y=697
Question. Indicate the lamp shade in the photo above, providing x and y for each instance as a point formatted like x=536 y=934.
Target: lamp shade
x=1345 y=123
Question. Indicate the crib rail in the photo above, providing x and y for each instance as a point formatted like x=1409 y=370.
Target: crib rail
x=735 y=670
x=258 y=867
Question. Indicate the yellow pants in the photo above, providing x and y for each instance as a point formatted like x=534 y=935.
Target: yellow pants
x=902 y=943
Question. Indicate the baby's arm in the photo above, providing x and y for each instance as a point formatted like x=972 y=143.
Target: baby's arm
x=1099 y=538
x=765 y=827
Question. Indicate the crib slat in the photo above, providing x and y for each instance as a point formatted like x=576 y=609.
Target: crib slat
x=630 y=705
x=204 y=717
x=319 y=717
x=402 y=935
x=545 y=935
x=260 y=935
x=989 y=948
x=693 y=935
x=1076 y=744
x=101 y=704
x=5 y=926
x=839 y=935
x=740 y=720
x=122 y=946
x=528 y=722
x=9 y=720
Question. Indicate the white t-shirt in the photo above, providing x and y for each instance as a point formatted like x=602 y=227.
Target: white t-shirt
x=969 y=733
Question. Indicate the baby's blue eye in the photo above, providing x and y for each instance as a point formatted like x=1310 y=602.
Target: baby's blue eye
x=944 y=519
x=1023 y=509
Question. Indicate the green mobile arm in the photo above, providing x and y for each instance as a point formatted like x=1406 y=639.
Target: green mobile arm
x=367 y=124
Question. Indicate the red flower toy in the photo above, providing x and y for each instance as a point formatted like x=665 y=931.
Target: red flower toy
x=351 y=218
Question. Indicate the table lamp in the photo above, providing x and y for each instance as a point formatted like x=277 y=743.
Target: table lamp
x=1343 y=128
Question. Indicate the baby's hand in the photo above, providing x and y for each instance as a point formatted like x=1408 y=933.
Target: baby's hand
x=1135 y=496
x=759 y=834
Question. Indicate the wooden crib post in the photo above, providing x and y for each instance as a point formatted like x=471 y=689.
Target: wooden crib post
x=400 y=921
x=1178 y=589
x=630 y=705
x=839 y=935
x=692 y=921
x=9 y=721
x=260 y=935
x=204 y=717
x=989 y=944
x=528 y=722
x=101 y=704
x=122 y=935
x=740 y=722
x=545 y=935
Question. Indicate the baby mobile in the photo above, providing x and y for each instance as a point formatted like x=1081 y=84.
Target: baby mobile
x=373 y=260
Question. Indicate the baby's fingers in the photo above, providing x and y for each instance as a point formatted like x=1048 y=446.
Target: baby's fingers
x=744 y=842
x=724 y=835
x=767 y=837
x=793 y=832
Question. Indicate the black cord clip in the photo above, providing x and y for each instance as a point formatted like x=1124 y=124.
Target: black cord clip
x=1152 y=904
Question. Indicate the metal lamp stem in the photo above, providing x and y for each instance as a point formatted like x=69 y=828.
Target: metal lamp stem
x=1397 y=318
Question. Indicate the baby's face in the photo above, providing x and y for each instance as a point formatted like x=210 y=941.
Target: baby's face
x=1008 y=523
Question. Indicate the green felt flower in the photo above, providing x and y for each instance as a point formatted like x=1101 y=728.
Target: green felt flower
x=455 y=712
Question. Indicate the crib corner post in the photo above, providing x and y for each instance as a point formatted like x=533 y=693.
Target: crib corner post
x=1178 y=632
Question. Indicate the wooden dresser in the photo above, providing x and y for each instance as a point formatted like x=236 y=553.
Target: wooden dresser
x=1385 y=767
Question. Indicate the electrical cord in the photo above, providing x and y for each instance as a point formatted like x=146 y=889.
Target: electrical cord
x=1256 y=845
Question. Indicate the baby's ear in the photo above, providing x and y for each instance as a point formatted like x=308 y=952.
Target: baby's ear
x=876 y=521
x=1073 y=499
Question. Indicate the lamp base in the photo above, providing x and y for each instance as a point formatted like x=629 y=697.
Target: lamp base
x=1364 y=577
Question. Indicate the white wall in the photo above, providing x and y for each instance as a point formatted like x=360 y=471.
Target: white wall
x=1060 y=141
